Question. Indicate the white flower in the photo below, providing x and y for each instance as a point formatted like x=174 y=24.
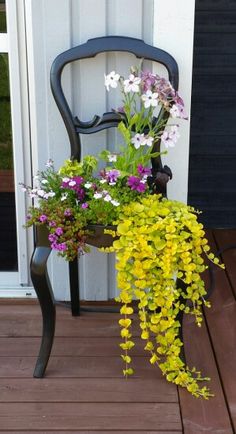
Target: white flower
x=132 y=84
x=64 y=197
x=88 y=185
x=103 y=181
x=115 y=202
x=72 y=183
x=167 y=140
x=65 y=179
x=107 y=198
x=49 y=163
x=44 y=181
x=41 y=193
x=137 y=140
x=111 y=80
x=112 y=158
x=150 y=99
x=174 y=111
x=147 y=141
x=49 y=194
x=97 y=195
x=174 y=133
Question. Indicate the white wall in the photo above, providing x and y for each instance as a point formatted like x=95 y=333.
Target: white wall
x=54 y=26
x=173 y=31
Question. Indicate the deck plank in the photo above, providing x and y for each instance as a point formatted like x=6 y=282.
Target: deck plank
x=87 y=390
x=16 y=321
x=88 y=416
x=67 y=367
x=221 y=320
x=94 y=432
x=225 y=239
x=69 y=346
x=200 y=416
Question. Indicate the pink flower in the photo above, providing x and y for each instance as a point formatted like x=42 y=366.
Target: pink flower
x=43 y=218
x=59 y=231
x=136 y=183
x=148 y=80
x=144 y=170
x=67 y=212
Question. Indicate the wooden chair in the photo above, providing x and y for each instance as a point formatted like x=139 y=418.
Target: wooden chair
x=75 y=127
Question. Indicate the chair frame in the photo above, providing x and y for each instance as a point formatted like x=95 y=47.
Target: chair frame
x=75 y=127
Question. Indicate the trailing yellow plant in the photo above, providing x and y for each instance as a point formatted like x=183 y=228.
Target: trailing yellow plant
x=160 y=247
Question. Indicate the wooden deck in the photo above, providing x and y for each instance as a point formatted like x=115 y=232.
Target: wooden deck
x=84 y=390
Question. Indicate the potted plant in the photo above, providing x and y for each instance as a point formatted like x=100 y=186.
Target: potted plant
x=159 y=243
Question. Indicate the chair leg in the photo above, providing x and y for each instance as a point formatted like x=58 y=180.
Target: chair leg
x=44 y=292
x=74 y=287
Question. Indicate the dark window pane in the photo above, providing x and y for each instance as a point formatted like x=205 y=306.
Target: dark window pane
x=8 y=243
x=3 y=24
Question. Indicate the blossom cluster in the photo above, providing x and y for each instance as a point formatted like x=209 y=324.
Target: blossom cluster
x=152 y=90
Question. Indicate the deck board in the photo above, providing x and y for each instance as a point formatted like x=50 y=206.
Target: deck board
x=221 y=321
x=84 y=390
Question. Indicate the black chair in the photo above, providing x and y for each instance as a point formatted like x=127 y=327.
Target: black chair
x=75 y=127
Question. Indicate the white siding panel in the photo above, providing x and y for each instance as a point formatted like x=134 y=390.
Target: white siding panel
x=52 y=27
x=173 y=32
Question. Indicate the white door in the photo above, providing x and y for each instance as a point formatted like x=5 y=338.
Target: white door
x=14 y=146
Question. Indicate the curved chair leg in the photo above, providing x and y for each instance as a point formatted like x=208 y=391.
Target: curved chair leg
x=44 y=292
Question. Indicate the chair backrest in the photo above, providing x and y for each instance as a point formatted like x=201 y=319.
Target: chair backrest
x=110 y=119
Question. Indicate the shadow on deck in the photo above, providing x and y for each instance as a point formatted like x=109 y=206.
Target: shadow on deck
x=84 y=391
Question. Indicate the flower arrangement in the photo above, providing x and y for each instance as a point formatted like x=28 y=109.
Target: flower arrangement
x=158 y=242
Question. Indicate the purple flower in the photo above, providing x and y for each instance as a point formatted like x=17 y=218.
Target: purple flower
x=144 y=170
x=72 y=183
x=52 y=238
x=84 y=205
x=67 y=212
x=43 y=218
x=59 y=246
x=59 y=231
x=136 y=183
x=148 y=80
x=78 y=180
x=80 y=192
x=52 y=224
x=62 y=247
x=112 y=175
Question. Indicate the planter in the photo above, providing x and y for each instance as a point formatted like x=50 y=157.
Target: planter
x=96 y=238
